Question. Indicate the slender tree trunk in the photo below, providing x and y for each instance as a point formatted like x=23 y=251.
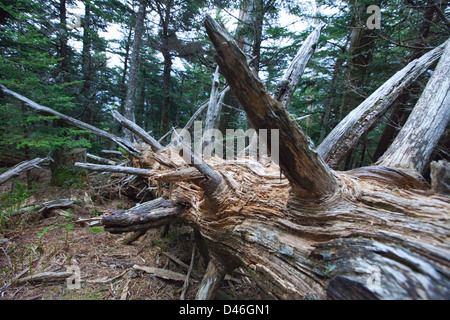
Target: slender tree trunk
x=88 y=112
x=63 y=47
x=165 y=50
x=362 y=42
x=165 y=115
x=395 y=121
x=125 y=69
x=134 y=68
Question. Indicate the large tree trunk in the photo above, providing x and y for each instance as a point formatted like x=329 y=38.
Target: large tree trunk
x=376 y=232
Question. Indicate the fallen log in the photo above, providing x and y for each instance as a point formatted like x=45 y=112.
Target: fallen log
x=45 y=277
x=370 y=233
x=20 y=168
x=151 y=214
x=44 y=207
x=162 y=273
x=118 y=169
x=112 y=152
x=100 y=159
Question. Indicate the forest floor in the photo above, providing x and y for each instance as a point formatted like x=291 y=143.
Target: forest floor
x=38 y=243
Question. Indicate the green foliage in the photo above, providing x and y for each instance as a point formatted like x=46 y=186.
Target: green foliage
x=87 y=85
x=11 y=201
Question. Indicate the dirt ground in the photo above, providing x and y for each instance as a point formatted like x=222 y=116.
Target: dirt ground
x=38 y=242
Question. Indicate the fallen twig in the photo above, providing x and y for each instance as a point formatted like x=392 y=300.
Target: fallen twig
x=162 y=273
x=186 y=282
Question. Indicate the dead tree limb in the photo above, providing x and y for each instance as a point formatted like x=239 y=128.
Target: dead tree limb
x=162 y=273
x=211 y=282
x=126 y=145
x=309 y=175
x=186 y=282
x=112 y=152
x=100 y=159
x=286 y=87
x=346 y=135
x=415 y=142
x=45 y=277
x=133 y=127
x=151 y=214
x=214 y=105
x=202 y=108
x=20 y=168
x=118 y=169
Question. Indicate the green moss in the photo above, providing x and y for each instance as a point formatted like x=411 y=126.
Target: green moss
x=96 y=230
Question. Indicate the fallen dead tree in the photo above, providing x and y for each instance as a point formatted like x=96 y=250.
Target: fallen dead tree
x=377 y=232
x=20 y=168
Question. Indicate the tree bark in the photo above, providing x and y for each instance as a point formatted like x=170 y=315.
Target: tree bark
x=134 y=68
x=286 y=87
x=152 y=214
x=20 y=168
x=109 y=168
x=306 y=171
x=369 y=233
x=426 y=124
x=85 y=92
x=346 y=135
x=362 y=42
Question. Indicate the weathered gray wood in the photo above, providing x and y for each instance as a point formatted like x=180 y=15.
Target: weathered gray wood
x=346 y=135
x=112 y=152
x=440 y=176
x=151 y=214
x=100 y=159
x=308 y=174
x=186 y=282
x=119 y=169
x=133 y=127
x=162 y=273
x=214 y=105
x=210 y=283
x=126 y=145
x=415 y=142
x=213 y=180
x=285 y=89
x=20 y=168
x=45 y=206
x=45 y=277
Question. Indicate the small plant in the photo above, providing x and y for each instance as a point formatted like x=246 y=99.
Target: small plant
x=96 y=230
x=12 y=201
